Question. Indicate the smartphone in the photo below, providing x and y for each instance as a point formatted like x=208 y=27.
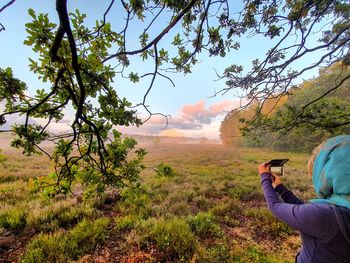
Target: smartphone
x=277 y=166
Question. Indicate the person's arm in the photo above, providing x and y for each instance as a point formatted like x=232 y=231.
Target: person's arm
x=311 y=219
x=287 y=195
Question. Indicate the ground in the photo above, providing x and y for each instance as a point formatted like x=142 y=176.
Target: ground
x=211 y=209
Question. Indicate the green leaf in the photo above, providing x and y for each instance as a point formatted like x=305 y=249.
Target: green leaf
x=31 y=12
x=134 y=77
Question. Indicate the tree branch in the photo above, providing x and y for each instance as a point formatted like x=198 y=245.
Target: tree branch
x=7 y=5
x=157 y=38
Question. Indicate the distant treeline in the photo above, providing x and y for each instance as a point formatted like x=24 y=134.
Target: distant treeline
x=290 y=122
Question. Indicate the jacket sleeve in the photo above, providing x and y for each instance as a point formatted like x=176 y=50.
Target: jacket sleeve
x=315 y=220
x=287 y=195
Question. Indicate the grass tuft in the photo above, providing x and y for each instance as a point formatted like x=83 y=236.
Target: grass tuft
x=64 y=247
x=173 y=237
x=265 y=222
x=203 y=224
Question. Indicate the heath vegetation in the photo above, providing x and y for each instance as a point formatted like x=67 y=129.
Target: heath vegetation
x=195 y=203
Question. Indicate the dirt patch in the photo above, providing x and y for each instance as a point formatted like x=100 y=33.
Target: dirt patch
x=12 y=246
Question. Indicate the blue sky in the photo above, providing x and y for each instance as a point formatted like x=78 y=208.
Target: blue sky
x=194 y=112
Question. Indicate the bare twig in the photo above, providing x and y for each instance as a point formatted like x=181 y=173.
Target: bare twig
x=104 y=18
x=7 y=5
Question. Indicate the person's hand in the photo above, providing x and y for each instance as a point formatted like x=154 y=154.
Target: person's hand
x=276 y=180
x=264 y=168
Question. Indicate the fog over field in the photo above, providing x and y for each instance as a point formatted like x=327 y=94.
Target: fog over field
x=143 y=140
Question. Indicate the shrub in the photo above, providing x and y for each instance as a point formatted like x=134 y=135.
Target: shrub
x=212 y=192
x=135 y=201
x=227 y=213
x=251 y=159
x=14 y=192
x=243 y=253
x=217 y=254
x=204 y=226
x=227 y=208
x=180 y=208
x=202 y=202
x=125 y=222
x=61 y=247
x=13 y=217
x=172 y=236
x=85 y=236
x=61 y=213
x=46 y=248
x=164 y=170
x=255 y=254
x=245 y=193
x=75 y=214
x=265 y=222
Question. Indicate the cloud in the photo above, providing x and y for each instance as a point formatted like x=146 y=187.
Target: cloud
x=196 y=120
x=66 y=121
x=173 y=122
x=195 y=112
x=183 y=124
x=16 y=118
x=199 y=114
x=13 y=120
x=223 y=107
x=60 y=126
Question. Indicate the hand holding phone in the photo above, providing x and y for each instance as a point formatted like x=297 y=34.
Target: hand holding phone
x=276 y=180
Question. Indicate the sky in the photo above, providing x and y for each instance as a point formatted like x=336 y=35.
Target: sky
x=193 y=109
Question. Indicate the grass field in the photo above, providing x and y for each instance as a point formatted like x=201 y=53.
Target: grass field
x=209 y=208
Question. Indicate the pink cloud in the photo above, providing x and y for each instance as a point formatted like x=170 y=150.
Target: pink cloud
x=199 y=113
x=223 y=107
x=195 y=112
x=191 y=118
x=194 y=108
x=156 y=119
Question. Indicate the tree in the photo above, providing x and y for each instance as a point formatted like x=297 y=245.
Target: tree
x=235 y=124
x=79 y=65
x=319 y=121
x=230 y=134
x=229 y=130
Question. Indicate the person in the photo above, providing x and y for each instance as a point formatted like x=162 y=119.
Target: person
x=324 y=223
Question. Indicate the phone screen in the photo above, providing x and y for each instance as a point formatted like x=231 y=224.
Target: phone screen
x=278 y=170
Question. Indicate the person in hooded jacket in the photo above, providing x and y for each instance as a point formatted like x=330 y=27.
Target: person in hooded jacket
x=324 y=223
